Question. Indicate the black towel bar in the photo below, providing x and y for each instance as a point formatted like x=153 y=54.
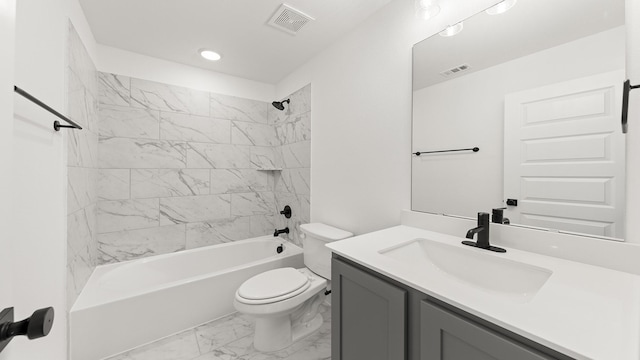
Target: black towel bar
x=56 y=124
x=474 y=149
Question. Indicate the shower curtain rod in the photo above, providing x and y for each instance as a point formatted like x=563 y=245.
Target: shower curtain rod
x=56 y=124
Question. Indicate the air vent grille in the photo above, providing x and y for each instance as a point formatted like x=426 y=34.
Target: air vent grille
x=289 y=19
x=456 y=70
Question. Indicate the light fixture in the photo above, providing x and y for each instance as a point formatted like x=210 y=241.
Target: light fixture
x=426 y=9
x=452 y=30
x=501 y=7
x=210 y=55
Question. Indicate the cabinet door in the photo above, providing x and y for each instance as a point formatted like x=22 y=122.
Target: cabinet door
x=448 y=336
x=369 y=316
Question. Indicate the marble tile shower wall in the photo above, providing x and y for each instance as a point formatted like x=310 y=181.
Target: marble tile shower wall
x=293 y=154
x=82 y=166
x=180 y=168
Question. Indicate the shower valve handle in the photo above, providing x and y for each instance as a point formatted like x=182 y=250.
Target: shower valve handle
x=286 y=212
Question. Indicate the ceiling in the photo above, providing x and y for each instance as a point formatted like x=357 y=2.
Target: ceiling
x=530 y=26
x=175 y=30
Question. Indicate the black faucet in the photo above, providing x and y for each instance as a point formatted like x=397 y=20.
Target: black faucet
x=483 y=234
x=283 y=231
x=497 y=216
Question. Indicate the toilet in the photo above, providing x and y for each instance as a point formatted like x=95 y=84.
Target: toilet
x=284 y=302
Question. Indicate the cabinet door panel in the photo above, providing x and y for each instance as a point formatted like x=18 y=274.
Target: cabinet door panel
x=447 y=336
x=369 y=316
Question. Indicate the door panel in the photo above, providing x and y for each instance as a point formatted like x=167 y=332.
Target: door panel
x=565 y=156
x=7 y=25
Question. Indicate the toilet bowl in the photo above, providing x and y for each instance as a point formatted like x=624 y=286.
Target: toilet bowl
x=284 y=302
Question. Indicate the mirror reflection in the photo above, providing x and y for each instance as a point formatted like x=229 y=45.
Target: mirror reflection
x=537 y=89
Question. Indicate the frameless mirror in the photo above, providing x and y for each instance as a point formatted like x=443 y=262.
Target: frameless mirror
x=538 y=91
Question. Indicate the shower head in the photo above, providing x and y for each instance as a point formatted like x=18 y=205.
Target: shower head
x=280 y=104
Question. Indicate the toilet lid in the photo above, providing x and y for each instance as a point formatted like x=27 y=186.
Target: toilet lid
x=277 y=283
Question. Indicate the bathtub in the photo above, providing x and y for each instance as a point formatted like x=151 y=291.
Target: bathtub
x=132 y=303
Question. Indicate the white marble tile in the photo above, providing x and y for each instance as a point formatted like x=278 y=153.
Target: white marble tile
x=246 y=133
x=114 y=89
x=218 y=232
x=225 y=181
x=82 y=149
x=129 y=122
x=113 y=184
x=133 y=244
x=235 y=108
x=183 y=346
x=119 y=153
x=297 y=180
x=231 y=338
x=242 y=349
x=218 y=156
x=301 y=100
x=152 y=95
x=80 y=61
x=265 y=158
x=188 y=209
x=121 y=215
x=304 y=203
x=168 y=182
x=222 y=331
x=262 y=225
x=81 y=257
x=297 y=155
x=253 y=203
x=82 y=106
x=81 y=188
x=296 y=129
x=319 y=349
x=275 y=116
x=174 y=126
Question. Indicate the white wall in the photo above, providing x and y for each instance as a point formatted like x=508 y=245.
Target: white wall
x=38 y=172
x=439 y=122
x=633 y=136
x=7 y=27
x=361 y=125
x=121 y=62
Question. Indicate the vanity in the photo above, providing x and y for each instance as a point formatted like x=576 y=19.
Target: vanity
x=411 y=293
x=520 y=111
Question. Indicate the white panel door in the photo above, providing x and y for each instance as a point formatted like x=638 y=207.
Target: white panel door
x=7 y=24
x=565 y=156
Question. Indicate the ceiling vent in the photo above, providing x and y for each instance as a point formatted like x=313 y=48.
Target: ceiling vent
x=289 y=19
x=456 y=70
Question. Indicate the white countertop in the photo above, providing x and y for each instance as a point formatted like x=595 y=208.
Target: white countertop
x=583 y=311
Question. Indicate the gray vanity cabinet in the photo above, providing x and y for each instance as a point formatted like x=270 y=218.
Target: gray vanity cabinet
x=368 y=316
x=448 y=336
x=378 y=318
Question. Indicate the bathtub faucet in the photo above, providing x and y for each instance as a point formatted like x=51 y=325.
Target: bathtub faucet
x=283 y=231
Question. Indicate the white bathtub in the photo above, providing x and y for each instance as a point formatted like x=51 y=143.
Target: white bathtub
x=132 y=303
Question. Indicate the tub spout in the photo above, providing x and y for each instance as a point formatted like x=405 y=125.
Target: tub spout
x=281 y=231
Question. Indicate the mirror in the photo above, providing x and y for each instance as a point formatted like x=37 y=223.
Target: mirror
x=538 y=90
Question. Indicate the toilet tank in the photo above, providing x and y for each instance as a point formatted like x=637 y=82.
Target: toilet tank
x=317 y=257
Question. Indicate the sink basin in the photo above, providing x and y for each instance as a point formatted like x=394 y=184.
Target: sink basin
x=507 y=278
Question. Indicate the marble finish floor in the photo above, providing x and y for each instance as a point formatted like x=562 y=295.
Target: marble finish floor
x=231 y=338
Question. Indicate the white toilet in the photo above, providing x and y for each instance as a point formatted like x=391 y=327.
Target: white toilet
x=285 y=301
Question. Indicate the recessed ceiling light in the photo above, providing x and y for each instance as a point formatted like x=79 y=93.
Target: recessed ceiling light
x=452 y=30
x=426 y=9
x=210 y=55
x=501 y=7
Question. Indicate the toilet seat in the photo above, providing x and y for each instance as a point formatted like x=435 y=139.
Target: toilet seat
x=273 y=286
